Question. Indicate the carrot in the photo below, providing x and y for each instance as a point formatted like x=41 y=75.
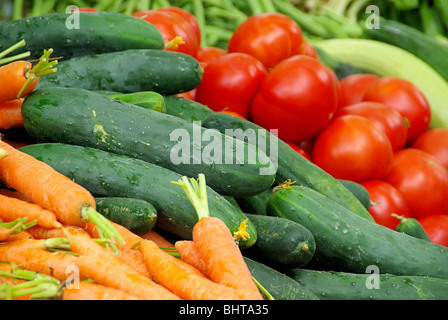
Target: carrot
x=217 y=245
x=161 y=241
x=12 y=208
x=190 y=254
x=39 y=232
x=10 y=114
x=181 y=278
x=13 y=227
x=72 y=203
x=94 y=291
x=23 y=235
x=14 y=194
x=105 y=268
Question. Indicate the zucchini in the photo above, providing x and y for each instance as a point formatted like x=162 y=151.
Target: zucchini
x=281 y=243
x=290 y=164
x=85 y=118
x=107 y=174
x=97 y=33
x=136 y=215
x=358 y=191
x=332 y=285
x=186 y=109
x=353 y=244
x=385 y=60
x=412 y=227
x=279 y=285
x=145 y=99
x=134 y=70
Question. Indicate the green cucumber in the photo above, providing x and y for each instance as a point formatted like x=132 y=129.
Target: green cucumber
x=86 y=118
x=412 y=227
x=332 y=285
x=145 y=99
x=96 y=33
x=186 y=109
x=279 y=285
x=353 y=244
x=134 y=70
x=290 y=164
x=107 y=174
x=136 y=215
x=358 y=191
x=255 y=204
x=281 y=243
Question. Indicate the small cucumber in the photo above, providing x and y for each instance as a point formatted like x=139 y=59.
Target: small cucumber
x=358 y=191
x=186 y=109
x=332 y=285
x=134 y=70
x=412 y=227
x=145 y=99
x=71 y=35
x=281 y=243
x=139 y=216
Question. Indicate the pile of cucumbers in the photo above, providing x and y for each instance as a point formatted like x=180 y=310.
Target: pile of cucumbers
x=311 y=236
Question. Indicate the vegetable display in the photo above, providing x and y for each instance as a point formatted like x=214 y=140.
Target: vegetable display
x=224 y=150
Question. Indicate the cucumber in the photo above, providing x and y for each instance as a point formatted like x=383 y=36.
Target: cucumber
x=279 y=285
x=353 y=244
x=97 y=33
x=290 y=164
x=281 y=243
x=358 y=191
x=331 y=285
x=134 y=70
x=139 y=216
x=145 y=99
x=186 y=109
x=107 y=174
x=85 y=118
x=412 y=227
x=255 y=204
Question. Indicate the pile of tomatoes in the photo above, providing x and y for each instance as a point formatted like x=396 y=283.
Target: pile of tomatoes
x=363 y=128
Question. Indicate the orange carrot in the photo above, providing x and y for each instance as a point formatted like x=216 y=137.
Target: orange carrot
x=39 y=232
x=217 y=246
x=72 y=203
x=105 y=268
x=12 y=208
x=10 y=114
x=9 y=228
x=14 y=194
x=161 y=241
x=190 y=254
x=94 y=291
x=181 y=278
x=23 y=235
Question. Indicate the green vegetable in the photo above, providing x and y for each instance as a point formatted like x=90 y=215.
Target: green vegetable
x=85 y=118
x=255 y=204
x=186 y=109
x=139 y=216
x=412 y=227
x=107 y=174
x=146 y=99
x=358 y=191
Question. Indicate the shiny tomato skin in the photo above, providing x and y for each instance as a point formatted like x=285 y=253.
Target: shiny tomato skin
x=422 y=180
x=352 y=147
x=404 y=97
x=230 y=82
x=171 y=25
x=187 y=16
x=269 y=37
x=207 y=54
x=436 y=227
x=435 y=142
x=386 y=118
x=299 y=97
x=386 y=200
x=233 y=113
x=308 y=49
x=353 y=88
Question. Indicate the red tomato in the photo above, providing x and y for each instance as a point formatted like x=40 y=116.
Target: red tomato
x=299 y=150
x=299 y=97
x=435 y=142
x=230 y=82
x=386 y=118
x=269 y=37
x=352 y=147
x=386 y=200
x=233 y=113
x=353 y=88
x=404 y=97
x=187 y=16
x=422 y=180
x=308 y=49
x=172 y=25
x=207 y=54
x=436 y=227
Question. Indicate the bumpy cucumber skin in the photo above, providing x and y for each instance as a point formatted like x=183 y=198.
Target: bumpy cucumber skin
x=412 y=227
x=331 y=285
x=358 y=191
x=293 y=166
x=351 y=243
x=134 y=70
x=186 y=109
x=255 y=204
x=136 y=215
x=81 y=117
x=280 y=286
x=281 y=243
x=107 y=174
x=98 y=32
